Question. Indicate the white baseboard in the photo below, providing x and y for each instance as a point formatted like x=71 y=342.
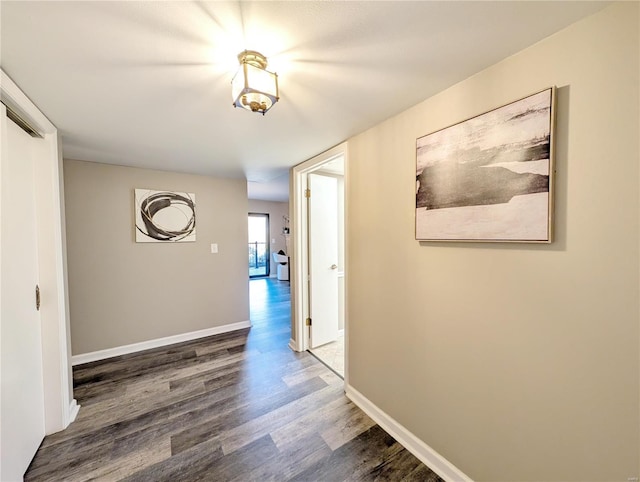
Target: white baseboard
x=292 y=344
x=74 y=408
x=158 y=342
x=413 y=444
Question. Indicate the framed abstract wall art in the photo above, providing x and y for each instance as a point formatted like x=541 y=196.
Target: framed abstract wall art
x=165 y=216
x=489 y=178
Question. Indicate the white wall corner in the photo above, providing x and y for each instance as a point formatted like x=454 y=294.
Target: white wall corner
x=158 y=342
x=72 y=412
x=408 y=440
x=293 y=345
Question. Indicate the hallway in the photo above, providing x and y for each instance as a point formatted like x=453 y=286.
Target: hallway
x=270 y=310
x=236 y=406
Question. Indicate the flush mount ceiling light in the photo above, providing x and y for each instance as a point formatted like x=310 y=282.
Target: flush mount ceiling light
x=253 y=87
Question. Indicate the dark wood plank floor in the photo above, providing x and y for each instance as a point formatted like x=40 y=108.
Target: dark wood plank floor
x=240 y=406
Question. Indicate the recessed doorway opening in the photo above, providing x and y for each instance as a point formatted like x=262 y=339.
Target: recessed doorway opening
x=320 y=323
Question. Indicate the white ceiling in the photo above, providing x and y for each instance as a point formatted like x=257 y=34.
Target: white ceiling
x=147 y=84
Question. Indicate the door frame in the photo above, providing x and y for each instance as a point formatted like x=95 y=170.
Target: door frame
x=267 y=246
x=300 y=244
x=60 y=408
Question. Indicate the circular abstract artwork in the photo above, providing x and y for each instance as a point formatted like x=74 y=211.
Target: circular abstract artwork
x=165 y=216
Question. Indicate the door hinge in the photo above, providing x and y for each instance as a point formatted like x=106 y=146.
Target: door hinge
x=308 y=321
x=37 y=298
x=307 y=193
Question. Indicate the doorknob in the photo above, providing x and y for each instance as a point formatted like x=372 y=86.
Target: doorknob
x=334 y=266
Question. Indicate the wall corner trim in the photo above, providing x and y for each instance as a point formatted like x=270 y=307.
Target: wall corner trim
x=158 y=342
x=413 y=444
x=293 y=345
x=72 y=413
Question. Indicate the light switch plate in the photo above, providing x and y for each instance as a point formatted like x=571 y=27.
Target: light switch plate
x=214 y=248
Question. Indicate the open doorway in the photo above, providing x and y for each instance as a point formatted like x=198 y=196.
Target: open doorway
x=318 y=273
x=258 y=245
x=325 y=227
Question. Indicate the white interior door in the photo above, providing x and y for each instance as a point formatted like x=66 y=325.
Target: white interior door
x=22 y=394
x=323 y=259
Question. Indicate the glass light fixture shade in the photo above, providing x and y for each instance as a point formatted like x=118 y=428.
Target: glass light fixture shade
x=254 y=88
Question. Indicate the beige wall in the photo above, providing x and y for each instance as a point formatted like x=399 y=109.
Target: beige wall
x=275 y=210
x=123 y=292
x=515 y=362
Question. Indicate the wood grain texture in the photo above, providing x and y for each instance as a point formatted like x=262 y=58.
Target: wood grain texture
x=239 y=406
